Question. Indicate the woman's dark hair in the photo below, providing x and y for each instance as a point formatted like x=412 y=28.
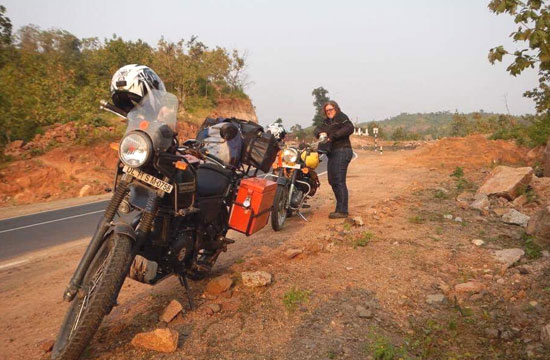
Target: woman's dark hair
x=334 y=105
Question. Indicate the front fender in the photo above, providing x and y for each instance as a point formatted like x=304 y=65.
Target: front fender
x=123 y=229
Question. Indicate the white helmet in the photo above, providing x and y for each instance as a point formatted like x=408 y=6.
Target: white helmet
x=131 y=83
x=277 y=130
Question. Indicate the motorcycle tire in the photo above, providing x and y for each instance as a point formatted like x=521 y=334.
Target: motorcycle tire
x=280 y=208
x=95 y=299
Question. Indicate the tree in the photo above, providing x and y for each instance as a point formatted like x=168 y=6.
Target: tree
x=279 y=121
x=321 y=98
x=533 y=18
x=5 y=28
x=459 y=125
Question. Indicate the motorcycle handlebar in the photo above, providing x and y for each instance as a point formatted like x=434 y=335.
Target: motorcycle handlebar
x=104 y=105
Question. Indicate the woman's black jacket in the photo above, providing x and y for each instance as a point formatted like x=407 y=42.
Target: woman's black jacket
x=338 y=130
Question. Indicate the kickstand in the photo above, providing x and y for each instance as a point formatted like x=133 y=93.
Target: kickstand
x=183 y=281
x=302 y=216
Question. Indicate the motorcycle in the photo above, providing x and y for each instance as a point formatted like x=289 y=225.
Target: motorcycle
x=171 y=208
x=297 y=182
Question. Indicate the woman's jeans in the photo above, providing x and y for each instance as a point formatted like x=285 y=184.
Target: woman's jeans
x=338 y=161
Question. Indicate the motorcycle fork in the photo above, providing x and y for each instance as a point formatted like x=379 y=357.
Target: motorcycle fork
x=292 y=187
x=97 y=239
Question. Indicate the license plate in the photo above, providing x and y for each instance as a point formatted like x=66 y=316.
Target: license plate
x=296 y=166
x=149 y=179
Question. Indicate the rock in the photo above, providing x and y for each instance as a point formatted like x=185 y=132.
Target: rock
x=171 y=311
x=363 y=313
x=47 y=345
x=85 y=190
x=358 y=221
x=256 y=279
x=292 y=253
x=506 y=181
x=478 y=242
x=482 y=203
x=162 y=340
x=435 y=299
x=539 y=226
x=443 y=190
x=463 y=204
x=545 y=335
x=491 y=333
x=214 y=308
x=448 y=216
x=514 y=217
x=509 y=256
x=546 y=160
x=520 y=201
x=471 y=286
x=458 y=219
x=219 y=285
x=500 y=211
x=464 y=196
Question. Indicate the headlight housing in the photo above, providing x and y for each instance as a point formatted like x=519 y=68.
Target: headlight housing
x=290 y=155
x=135 y=149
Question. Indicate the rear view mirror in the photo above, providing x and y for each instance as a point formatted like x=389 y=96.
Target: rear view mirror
x=228 y=131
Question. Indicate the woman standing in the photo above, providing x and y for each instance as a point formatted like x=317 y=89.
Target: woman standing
x=338 y=128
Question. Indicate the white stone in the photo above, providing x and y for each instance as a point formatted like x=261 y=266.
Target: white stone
x=478 y=242
x=509 y=256
x=514 y=217
x=448 y=216
x=256 y=278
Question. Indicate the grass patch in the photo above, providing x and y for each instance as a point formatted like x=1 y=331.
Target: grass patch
x=382 y=349
x=417 y=219
x=532 y=250
x=440 y=194
x=363 y=239
x=295 y=297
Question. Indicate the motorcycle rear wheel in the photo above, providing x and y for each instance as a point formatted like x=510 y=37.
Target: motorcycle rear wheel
x=95 y=299
x=280 y=208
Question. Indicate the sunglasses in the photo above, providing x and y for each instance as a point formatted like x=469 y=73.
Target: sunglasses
x=330 y=109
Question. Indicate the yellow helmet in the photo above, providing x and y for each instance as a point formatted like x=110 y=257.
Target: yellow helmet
x=311 y=159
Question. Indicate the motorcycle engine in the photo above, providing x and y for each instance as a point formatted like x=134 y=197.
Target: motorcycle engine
x=296 y=198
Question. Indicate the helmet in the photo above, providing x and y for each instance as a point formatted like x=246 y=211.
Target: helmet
x=131 y=83
x=277 y=130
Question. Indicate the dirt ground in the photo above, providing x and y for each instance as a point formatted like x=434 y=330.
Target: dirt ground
x=353 y=293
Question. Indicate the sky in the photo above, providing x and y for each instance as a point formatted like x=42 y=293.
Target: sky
x=377 y=59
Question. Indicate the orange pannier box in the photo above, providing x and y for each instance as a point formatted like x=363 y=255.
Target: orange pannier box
x=251 y=209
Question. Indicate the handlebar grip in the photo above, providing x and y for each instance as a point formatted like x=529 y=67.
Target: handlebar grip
x=107 y=106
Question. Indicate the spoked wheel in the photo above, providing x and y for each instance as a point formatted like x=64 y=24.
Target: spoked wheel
x=280 y=207
x=95 y=299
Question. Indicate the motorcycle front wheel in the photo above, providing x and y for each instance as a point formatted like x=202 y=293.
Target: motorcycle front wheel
x=95 y=299
x=280 y=207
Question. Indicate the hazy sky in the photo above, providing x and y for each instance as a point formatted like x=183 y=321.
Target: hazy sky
x=376 y=58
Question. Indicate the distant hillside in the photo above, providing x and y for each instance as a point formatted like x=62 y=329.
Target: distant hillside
x=439 y=124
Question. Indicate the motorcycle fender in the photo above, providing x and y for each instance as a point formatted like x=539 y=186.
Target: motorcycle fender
x=123 y=229
x=282 y=181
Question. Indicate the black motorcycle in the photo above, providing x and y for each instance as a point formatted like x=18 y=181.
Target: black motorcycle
x=168 y=215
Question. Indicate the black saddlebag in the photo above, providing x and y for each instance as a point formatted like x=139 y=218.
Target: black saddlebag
x=259 y=150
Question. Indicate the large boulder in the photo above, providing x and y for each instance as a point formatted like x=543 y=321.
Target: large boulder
x=539 y=226
x=506 y=181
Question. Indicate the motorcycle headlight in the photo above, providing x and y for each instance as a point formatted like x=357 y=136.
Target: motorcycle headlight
x=135 y=149
x=290 y=155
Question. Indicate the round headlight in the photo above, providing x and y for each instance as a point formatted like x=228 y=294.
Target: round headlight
x=135 y=149
x=290 y=155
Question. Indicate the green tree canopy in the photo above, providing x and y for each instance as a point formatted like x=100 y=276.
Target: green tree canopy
x=533 y=19
x=320 y=96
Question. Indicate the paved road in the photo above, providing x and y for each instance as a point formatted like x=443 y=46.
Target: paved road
x=38 y=231
x=28 y=233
